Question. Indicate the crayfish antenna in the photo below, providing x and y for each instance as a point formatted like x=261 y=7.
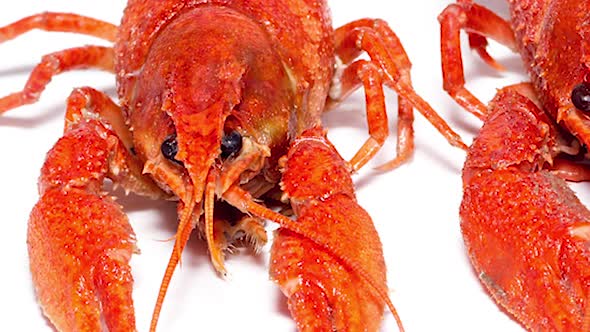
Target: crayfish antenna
x=214 y=250
x=185 y=228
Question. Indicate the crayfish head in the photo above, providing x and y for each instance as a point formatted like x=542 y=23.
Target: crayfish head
x=201 y=153
x=197 y=153
x=208 y=149
x=561 y=71
x=210 y=103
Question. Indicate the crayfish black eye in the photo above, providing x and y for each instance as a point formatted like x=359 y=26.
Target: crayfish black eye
x=231 y=144
x=581 y=96
x=169 y=148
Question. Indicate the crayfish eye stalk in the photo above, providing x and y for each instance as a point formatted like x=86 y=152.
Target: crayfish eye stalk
x=581 y=97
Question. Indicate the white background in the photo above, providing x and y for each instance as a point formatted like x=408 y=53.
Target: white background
x=415 y=208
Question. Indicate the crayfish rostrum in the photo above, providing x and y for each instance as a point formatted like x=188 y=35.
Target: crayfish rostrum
x=211 y=96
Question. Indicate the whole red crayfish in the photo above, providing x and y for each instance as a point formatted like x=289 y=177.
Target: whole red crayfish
x=212 y=94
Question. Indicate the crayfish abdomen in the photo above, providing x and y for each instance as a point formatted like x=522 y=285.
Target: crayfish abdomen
x=211 y=96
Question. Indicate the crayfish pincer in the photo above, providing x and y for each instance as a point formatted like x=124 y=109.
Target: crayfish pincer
x=526 y=232
x=211 y=95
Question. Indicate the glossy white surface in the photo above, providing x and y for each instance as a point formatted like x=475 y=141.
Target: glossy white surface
x=415 y=208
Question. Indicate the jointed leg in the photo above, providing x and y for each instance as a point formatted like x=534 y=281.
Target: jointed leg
x=98 y=57
x=570 y=171
x=405 y=135
x=481 y=23
x=405 y=116
x=126 y=170
x=366 y=73
x=79 y=240
x=357 y=73
x=561 y=166
x=385 y=50
x=59 y=22
x=86 y=100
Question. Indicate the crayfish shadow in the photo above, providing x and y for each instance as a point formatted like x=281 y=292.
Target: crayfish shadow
x=33 y=115
x=17 y=70
x=148 y=216
x=282 y=305
x=346 y=117
x=498 y=7
x=132 y=202
x=352 y=112
x=38 y=119
x=467 y=123
x=511 y=61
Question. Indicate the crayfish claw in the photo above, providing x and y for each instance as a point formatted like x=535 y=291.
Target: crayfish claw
x=79 y=240
x=323 y=295
x=79 y=260
x=329 y=262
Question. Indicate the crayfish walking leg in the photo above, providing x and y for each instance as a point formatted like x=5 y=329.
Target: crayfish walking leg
x=52 y=64
x=482 y=24
x=60 y=22
x=389 y=65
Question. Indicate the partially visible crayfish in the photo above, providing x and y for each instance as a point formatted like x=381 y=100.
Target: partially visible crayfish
x=527 y=234
x=212 y=94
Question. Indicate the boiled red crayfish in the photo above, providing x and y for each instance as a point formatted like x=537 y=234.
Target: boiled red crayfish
x=526 y=232
x=212 y=94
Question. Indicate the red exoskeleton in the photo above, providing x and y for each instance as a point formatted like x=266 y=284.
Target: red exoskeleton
x=211 y=95
x=526 y=232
